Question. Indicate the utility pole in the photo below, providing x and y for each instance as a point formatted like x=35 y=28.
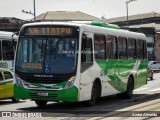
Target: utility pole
x=34 y=10
x=34 y=13
x=127 y=2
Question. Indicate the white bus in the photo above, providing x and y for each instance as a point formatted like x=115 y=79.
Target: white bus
x=73 y=62
x=8 y=41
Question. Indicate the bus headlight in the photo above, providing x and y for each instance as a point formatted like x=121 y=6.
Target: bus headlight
x=69 y=83
x=19 y=81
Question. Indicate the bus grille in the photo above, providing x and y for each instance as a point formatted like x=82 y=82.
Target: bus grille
x=55 y=79
x=35 y=96
x=45 y=80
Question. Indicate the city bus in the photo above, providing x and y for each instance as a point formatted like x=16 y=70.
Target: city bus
x=8 y=41
x=73 y=62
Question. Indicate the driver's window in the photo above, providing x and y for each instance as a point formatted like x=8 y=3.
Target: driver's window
x=86 y=52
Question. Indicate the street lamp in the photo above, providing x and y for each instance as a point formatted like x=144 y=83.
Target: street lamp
x=34 y=14
x=127 y=10
x=34 y=10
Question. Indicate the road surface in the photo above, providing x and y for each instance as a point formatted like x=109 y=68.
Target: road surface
x=146 y=98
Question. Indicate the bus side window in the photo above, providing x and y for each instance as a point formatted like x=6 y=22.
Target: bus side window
x=100 y=47
x=111 y=47
x=8 y=52
x=131 y=48
x=140 y=49
x=122 y=47
x=86 y=53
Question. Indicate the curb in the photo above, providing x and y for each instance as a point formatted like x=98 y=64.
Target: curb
x=146 y=96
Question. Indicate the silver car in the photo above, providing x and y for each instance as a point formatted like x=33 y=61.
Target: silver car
x=155 y=65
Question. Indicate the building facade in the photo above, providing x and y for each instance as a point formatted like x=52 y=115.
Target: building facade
x=11 y=24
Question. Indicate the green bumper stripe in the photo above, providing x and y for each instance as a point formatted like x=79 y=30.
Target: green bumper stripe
x=68 y=95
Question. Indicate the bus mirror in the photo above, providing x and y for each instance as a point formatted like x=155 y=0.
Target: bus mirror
x=12 y=41
x=84 y=37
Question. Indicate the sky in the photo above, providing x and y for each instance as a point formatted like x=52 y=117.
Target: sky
x=97 y=8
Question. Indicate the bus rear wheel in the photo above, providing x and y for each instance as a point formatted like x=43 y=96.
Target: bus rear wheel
x=129 y=92
x=41 y=103
x=130 y=86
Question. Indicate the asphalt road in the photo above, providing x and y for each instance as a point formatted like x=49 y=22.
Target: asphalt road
x=107 y=106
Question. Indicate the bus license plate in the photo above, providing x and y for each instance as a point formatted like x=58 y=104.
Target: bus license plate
x=42 y=94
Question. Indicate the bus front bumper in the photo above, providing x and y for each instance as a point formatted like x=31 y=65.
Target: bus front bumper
x=66 y=95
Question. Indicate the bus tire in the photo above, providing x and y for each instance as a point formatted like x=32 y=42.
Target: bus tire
x=41 y=103
x=130 y=86
x=129 y=92
x=15 y=100
x=94 y=96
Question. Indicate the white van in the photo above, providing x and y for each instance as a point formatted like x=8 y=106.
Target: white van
x=154 y=64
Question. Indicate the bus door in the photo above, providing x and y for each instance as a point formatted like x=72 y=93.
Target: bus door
x=86 y=67
x=2 y=86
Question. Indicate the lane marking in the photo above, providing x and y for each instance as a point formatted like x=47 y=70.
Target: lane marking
x=158 y=89
x=140 y=89
x=95 y=118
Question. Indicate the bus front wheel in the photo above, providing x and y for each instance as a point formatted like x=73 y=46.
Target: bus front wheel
x=94 y=96
x=41 y=103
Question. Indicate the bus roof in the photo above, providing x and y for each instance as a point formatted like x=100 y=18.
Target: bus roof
x=8 y=35
x=88 y=26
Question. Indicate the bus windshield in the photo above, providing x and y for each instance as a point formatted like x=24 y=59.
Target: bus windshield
x=47 y=55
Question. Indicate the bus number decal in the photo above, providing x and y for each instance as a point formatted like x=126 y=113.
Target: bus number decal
x=32 y=65
x=49 y=31
x=111 y=72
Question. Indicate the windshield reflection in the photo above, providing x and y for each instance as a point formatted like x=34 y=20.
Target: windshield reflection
x=47 y=55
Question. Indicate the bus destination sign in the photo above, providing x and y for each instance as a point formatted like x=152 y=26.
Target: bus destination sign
x=64 y=31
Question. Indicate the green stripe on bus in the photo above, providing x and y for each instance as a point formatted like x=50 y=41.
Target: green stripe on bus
x=117 y=71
